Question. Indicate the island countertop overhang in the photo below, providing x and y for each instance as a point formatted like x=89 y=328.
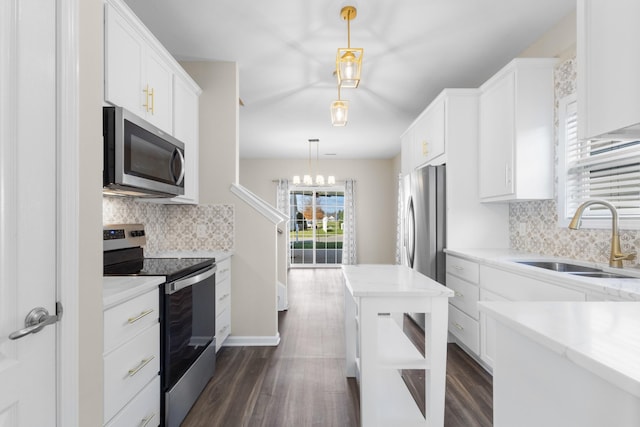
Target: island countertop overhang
x=383 y=280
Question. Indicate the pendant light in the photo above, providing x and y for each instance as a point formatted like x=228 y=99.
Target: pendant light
x=339 y=111
x=349 y=60
x=319 y=178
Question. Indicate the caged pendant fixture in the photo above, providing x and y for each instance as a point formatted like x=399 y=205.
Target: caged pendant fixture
x=339 y=111
x=349 y=60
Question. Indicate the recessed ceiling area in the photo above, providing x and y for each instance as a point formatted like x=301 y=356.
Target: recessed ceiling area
x=286 y=49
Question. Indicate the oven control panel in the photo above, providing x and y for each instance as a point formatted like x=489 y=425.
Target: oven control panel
x=120 y=236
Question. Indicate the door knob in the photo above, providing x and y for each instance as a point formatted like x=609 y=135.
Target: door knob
x=36 y=320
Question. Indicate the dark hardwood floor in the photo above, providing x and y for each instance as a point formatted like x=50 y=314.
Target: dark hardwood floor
x=302 y=382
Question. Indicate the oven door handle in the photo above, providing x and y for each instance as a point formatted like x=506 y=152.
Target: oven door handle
x=173 y=287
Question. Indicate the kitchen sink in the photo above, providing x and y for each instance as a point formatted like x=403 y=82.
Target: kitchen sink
x=575 y=269
x=602 y=275
x=560 y=266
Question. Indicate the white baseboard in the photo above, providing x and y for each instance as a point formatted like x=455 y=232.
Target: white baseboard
x=248 y=341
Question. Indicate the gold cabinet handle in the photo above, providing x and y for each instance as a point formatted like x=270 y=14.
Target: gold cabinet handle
x=146 y=420
x=153 y=101
x=425 y=148
x=458 y=326
x=146 y=98
x=142 y=364
x=458 y=294
x=134 y=319
x=224 y=297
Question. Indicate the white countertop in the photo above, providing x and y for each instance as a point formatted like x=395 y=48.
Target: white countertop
x=117 y=289
x=505 y=259
x=378 y=280
x=218 y=255
x=601 y=337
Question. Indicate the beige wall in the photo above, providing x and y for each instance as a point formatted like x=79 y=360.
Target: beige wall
x=559 y=41
x=376 y=197
x=218 y=130
x=90 y=212
x=254 y=274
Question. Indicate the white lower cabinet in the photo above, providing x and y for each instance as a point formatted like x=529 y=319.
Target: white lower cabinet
x=132 y=361
x=223 y=302
x=462 y=278
x=143 y=410
x=465 y=328
x=488 y=330
x=472 y=282
x=500 y=285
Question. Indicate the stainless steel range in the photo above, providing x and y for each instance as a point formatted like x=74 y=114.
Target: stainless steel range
x=187 y=319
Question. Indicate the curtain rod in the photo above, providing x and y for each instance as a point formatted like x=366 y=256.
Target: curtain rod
x=313 y=185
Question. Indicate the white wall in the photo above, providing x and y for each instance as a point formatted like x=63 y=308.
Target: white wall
x=376 y=197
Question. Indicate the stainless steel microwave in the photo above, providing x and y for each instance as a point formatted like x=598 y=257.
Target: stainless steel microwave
x=140 y=160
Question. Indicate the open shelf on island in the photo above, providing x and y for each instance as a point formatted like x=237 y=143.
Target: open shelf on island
x=395 y=350
x=399 y=408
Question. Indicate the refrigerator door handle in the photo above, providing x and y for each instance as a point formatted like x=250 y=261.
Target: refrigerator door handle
x=410 y=233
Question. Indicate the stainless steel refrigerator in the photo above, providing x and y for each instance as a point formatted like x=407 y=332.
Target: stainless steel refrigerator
x=424 y=227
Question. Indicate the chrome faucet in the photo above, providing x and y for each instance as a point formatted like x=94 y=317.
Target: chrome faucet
x=617 y=256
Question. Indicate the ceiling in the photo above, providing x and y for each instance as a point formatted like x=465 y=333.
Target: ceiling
x=285 y=50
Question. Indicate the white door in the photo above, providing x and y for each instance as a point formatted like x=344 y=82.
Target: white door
x=27 y=209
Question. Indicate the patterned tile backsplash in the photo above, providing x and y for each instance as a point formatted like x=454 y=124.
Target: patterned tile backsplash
x=175 y=227
x=533 y=225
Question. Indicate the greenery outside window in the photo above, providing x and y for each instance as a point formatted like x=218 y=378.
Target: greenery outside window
x=606 y=169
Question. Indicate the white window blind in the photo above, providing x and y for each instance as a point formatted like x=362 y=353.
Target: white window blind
x=600 y=169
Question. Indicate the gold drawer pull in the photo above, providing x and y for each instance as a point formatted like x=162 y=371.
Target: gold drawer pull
x=458 y=326
x=223 y=297
x=146 y=420
x=139 y=316
x=458 y=268
x=142 y=364
x=458 y=294
x=223 y=330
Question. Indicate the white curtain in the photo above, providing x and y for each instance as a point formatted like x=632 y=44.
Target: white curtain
x=283 y=205
x=349 y=235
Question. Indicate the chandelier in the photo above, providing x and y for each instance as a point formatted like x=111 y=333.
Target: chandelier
x=306 y=179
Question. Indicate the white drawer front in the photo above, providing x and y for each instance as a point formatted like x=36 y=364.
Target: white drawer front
x=143 y=410
x=223 y=327
x=462 y=268
x=223 y=296
x=466 y=295
x=129 y=368
x=126 y=320
x=521 y=288
x=223 y=270
x=464 y=328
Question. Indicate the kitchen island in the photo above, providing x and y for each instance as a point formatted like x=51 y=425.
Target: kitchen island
x=377 y=348
x=566 y=363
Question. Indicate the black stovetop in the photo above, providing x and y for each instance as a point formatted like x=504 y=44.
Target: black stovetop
x=128 y=262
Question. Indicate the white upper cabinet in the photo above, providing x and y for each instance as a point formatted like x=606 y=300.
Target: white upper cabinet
x=424 y=141
x=608 y=55
x=406 y=152
x=516 y=132
x=429 y=132
x=185 y=128
x=136 y=77
x=141 y=76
